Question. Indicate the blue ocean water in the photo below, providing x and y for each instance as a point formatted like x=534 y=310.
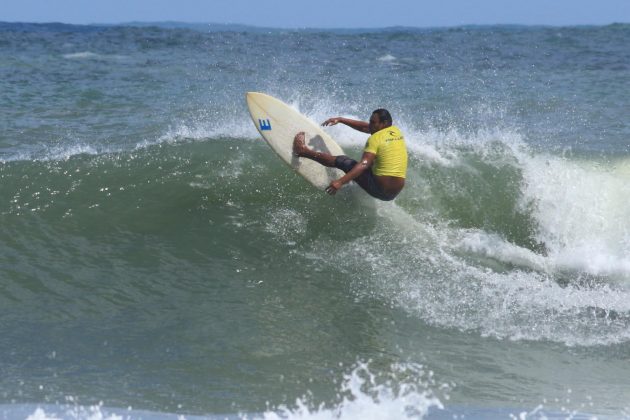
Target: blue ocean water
x=157 y=259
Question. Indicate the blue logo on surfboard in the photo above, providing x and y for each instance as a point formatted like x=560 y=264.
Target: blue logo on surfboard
x=264 y=125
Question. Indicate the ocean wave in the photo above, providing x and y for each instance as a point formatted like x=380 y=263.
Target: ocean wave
x=498 y=238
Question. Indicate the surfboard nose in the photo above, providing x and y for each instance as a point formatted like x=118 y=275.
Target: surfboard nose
x=251 y=97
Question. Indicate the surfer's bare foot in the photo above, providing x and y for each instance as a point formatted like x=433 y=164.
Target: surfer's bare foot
x=299 y=147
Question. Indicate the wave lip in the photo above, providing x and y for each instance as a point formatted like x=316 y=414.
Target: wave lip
x=55 y=153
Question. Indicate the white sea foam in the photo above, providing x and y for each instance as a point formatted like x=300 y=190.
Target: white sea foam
x=387 y=57
x=425 y=274
x=81 y=55
x=365 y=397
x=583 y=213
x=493 y=246
x=406 y=392
x=88 y=55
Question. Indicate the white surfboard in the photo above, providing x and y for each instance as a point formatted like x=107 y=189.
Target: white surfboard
x=278 y=123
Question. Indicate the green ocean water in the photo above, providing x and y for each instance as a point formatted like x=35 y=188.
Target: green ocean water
x=157 y=259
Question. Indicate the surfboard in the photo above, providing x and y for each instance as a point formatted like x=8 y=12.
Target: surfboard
x=278 y=123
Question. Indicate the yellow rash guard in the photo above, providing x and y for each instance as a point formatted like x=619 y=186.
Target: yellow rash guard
x=389 y=147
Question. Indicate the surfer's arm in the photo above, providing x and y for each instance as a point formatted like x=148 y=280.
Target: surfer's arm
x=363 y=165
x=361 y=126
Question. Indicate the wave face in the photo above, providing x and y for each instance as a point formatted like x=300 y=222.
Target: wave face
x=155 y=253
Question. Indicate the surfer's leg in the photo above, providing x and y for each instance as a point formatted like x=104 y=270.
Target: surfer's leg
x=346 y=164
x=366 y=180
x=300 y=149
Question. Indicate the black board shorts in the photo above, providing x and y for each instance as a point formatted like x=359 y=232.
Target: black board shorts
x=366 y=180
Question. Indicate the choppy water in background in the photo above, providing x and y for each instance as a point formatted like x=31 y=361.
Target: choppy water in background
x=157 y=259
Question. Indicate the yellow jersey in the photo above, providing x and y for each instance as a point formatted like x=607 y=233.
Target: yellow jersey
x=389 y=147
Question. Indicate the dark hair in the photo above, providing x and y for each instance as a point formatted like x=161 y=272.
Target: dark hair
x=383 y=116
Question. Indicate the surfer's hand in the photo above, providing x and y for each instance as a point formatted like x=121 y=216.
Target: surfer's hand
x=332 y=121
x=334 y=187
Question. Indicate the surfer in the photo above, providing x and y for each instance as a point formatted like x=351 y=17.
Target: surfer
x=383 y=166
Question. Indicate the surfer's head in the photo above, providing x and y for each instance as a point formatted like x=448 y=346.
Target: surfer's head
x=380 y=119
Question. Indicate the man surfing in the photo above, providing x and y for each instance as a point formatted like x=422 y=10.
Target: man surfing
x=383 y=166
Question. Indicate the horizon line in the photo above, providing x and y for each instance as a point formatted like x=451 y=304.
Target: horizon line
x=198 y=25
